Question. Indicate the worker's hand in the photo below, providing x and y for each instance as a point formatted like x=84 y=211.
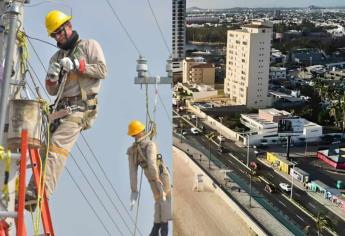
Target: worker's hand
x=134 y=198
x=68 y=64
x=53 y=72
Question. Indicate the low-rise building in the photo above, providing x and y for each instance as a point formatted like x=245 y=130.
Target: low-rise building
x=196 y=70
x=277 y=73
x=334 y=157
x=264 y=128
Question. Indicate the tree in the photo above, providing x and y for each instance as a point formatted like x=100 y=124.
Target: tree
x=321 y=223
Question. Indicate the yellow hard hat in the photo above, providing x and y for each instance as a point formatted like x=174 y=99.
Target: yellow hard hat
x=55 y=19
x=135 y=127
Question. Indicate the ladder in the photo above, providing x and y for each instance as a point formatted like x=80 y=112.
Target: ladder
x=34 y=157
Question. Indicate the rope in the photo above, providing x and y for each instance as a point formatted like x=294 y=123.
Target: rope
x=45 y=110
x=137 y=210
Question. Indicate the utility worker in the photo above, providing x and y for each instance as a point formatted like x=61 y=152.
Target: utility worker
x=143 y=152
x=83 y=65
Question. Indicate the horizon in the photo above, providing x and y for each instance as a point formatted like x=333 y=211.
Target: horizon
x=223 y=4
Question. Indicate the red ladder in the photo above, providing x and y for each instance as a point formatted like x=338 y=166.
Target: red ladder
x=35 y=164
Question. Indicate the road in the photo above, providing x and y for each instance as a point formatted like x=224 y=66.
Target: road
x=279 y=200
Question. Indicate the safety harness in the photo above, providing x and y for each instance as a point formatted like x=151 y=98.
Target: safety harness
x=64 y=107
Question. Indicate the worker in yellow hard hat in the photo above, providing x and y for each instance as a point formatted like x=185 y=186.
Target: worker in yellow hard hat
x=81 y=64
x=144 y=152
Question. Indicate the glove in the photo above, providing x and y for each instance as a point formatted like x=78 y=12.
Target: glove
x=67 y=64
x=53 y=72
x=134 y=198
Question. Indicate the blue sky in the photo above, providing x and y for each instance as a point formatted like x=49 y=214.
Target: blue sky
x=120 y=102
x=262 y=3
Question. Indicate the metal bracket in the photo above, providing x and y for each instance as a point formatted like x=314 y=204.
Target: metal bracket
x=153 y=80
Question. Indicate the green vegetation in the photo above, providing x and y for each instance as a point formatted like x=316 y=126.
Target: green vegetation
x=208 y=34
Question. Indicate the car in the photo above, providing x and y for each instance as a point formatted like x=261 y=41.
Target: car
x=194 y=130
x=222 y=149
x=284 y=186
x=183 y=132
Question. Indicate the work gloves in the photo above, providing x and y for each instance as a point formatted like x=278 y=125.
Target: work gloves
x=53 y=72
x=134 y=198
x=68 y=64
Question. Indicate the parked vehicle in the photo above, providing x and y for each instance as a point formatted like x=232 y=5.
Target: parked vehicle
x=220 y=138
x=222 y=149
x=194 y=130
x=284 y=186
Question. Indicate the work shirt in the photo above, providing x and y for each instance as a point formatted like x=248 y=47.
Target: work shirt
x=95 y=69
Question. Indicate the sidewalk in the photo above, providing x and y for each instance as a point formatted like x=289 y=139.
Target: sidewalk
x=270 y=223
x=200 y=213
x=328 y=204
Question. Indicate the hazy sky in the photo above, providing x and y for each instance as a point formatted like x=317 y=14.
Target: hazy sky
x=262 y=3
x=120 y=102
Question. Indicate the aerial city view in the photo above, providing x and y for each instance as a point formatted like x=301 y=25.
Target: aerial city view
x=259 y=118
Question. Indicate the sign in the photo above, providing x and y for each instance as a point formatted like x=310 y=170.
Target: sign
x=291 y=125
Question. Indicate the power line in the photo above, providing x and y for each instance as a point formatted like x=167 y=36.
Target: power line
x=88 y=202
x=165 y=109
x=158 y=26
x=45 y=91
x=97 y=196
x=106 y=177
x=104 y=189
x=123 y=27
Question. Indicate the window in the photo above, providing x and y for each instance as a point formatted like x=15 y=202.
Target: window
x=244 y=43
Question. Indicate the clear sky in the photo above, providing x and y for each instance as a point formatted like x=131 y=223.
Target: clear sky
x=262 y=3
x=120 y=102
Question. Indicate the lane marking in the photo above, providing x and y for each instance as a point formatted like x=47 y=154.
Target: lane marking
x=297 y=194
x=282 y=203
x=300 y=218
x=312 y=205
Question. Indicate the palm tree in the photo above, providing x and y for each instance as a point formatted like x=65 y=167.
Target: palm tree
x=321 y=223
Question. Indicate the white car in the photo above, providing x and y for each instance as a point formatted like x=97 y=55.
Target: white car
x=220 y=138
x=194 y=130
x=286 y=187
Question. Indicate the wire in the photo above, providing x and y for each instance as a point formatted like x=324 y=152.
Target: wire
x=158 y=26
x=137 y=210
x=40 y=40
x=123 y=27
x=88 y=202
x=97 y=196
x=106 y=177
x=45 y=91
x=165 y=109
x=104 y=189
x=39 y=59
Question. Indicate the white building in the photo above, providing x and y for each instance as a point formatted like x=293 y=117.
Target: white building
x=277 y=73
x=247 y=65
x=264 y=126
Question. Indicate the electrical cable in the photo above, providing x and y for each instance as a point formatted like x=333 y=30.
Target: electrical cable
x=45 y=91
x=123 y=27
x=107 y=178
x=158 y=26
x=102 y=185
x=165 y=109
x=97 y=196
x=88 y=202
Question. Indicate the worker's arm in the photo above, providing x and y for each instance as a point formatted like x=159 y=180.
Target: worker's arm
x=95 y=65
x=133 y=170
x=52 y=78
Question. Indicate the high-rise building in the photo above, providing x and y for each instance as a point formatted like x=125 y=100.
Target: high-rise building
x=247 y=65
x=178 y=33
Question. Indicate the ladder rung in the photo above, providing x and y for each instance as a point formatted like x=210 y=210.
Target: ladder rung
x=12 y=214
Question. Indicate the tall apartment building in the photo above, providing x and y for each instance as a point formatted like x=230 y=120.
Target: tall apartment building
x=247 y=65
x=178 y=33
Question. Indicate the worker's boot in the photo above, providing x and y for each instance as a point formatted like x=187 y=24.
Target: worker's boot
x=164 y=229
x=155 y=229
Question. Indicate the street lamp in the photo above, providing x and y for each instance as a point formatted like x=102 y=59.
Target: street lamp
x=247 y=149
x=292 y=174
x=209 y=147
x=306 y=144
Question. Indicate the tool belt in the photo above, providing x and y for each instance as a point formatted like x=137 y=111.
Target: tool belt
x=68 y=105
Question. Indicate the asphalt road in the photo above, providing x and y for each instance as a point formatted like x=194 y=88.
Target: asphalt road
x=280 y=199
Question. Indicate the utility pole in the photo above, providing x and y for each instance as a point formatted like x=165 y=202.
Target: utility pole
x=250 y=190
x=13 y=13
x=247 y=149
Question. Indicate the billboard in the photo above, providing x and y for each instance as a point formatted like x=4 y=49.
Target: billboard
x=291 y=125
